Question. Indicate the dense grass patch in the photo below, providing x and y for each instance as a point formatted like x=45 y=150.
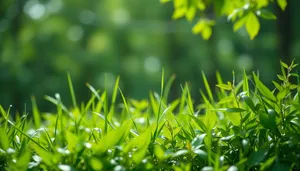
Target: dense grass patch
x=243 y=126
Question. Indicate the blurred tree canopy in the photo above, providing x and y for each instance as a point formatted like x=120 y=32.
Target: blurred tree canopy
x=95 y=41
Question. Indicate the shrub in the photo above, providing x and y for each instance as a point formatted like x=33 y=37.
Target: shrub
x=243 y=126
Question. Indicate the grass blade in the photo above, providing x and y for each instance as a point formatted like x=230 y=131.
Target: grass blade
x=72 y=91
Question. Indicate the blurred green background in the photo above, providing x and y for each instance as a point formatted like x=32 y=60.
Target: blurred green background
x=97 y=40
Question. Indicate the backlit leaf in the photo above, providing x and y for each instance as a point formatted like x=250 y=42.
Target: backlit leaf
x=282 y=4
x=252 y=25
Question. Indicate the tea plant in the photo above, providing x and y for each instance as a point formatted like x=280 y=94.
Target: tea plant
x=243 y=126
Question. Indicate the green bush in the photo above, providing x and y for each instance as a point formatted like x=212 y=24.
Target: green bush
x=242 y=126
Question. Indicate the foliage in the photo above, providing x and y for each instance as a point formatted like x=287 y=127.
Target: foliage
x=245 y=125
x=240 y=12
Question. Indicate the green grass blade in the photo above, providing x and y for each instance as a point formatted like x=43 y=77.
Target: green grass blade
x=114 y=97
x=23 y=133
x=36 y=113
x=189 y=100
x=72 y=91
x=208 y=90
x=245 y=84
x=127 y=108
x=167 y=89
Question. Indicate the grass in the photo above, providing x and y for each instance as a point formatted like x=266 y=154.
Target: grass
x=242 y=126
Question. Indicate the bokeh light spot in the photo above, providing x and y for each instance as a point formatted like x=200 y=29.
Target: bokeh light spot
x=245 y=62
x=54 y=6
x=152 y=64
x=34 y=9
x=121 y=16
x=87 y=17
x=75 y=33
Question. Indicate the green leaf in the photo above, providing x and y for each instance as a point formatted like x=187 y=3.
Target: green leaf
x=23 y=160
x=198 y=122
x=263 y=89
x=164 y=1
x=113 y=137
x=284 y=65
x=226 y=100
x=178 y=13
x=267 y=164
x=239 y=24
x=252 y=25
x=72 y=91
x=208 y=90
x=198 y=141
x=249 y=102
x=266 y=14
x=159 y=152
x=224 y=86
x=262 y=3
x=206 y=33
x=72 y=140
x=282 y=4
x=268 y=120
x=143 y=140
x=256 y=157
x=95 y=163
x=36 y=113
x=198 y=27
x=245 y=84
x=235 y=110
x=4 y=143
x=202 y=154
x=190 y=14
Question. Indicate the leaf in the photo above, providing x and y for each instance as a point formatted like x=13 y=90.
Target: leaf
x=282 y=4
x=113 y=137
x=198 y=27
x=235 y=13
x=267 y=164
x=179 y=12
x=164 y=1
x=256 y=157
x=198 y=141
x=224 y=86
x=263 y=89
x=208 y=90
x=262 y=3
x=266 y=14
x=4 y=143
x=268 y=120
x=159 y=152
x=284 y=65
x=143 y=142
x=72 y=91
x=190 y=14
x=36 y=113
x=206 y=33
x=249 y=102
x=245 y=84
x=72 y=140
x=198 y=122
x=226 y=100
x=180 y=153
x=239 y=24
x=95 y=163
x=252 y=25
x=235 y=110
x=202 y=154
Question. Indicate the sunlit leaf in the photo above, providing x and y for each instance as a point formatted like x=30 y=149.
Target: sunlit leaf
x=282 y=4
x=252 y=25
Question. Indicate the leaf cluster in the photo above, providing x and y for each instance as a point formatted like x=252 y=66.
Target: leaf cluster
x=239 y=12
